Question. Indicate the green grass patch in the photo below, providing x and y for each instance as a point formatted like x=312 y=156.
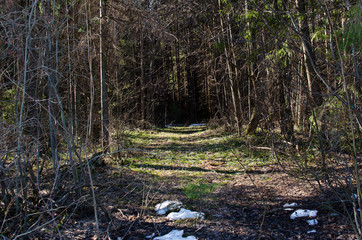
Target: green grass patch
x=198 y=189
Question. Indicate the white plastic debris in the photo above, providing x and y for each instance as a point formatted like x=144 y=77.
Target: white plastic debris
x=304 y=213
x=166 y=206
x=175 y=235
x=171 y=125
x=197 y=125
x=312 y=222
x=288 y=206
x=151 y=236
x=312 y=231
x=184 y=213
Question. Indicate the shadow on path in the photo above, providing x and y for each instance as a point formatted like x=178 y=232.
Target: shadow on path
x=194 y=169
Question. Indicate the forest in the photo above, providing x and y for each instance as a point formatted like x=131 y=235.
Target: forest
x=235 y=108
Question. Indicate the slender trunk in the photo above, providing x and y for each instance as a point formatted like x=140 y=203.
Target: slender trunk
x=235 y=78
x=314 y=89
x=254 y=113
x=91 y=79
x=299 y=100
x=20 y=178
x=103 y=76
x=286 y=118
x=50 y=70
x=230 y=76
x=178 y=69
x=142 y=79
x=71 y=99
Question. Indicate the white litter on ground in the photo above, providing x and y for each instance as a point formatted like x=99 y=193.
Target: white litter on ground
x=184 y=213
x=171 y=125
x=166 y=206
x=303 y=213
x=197 y=125
x=288 y=206
x=312 y=222
x=312 y=231
x=151 y=236
x=175 y=235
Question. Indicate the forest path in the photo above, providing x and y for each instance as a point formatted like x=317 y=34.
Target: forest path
x=189 y=149
x=212 y=172
x=241 y=190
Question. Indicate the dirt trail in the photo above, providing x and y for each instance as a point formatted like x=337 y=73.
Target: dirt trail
x=240 y=192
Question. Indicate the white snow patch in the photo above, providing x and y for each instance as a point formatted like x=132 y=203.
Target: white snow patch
x=175 y=235
x=197 y=125
x=304 y=213
x=166 y=206
x=312 y=222
x=184 y=213
x=312 y=231
x=288 y=206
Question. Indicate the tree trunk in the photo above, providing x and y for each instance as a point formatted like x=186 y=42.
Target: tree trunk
x=142 y=79
x=232 y=84
x=253 y=123
x=286 y=118
x=253 y=112
x=103 y=76
x=91 y=79
x=50 y=70
x=315 y=97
